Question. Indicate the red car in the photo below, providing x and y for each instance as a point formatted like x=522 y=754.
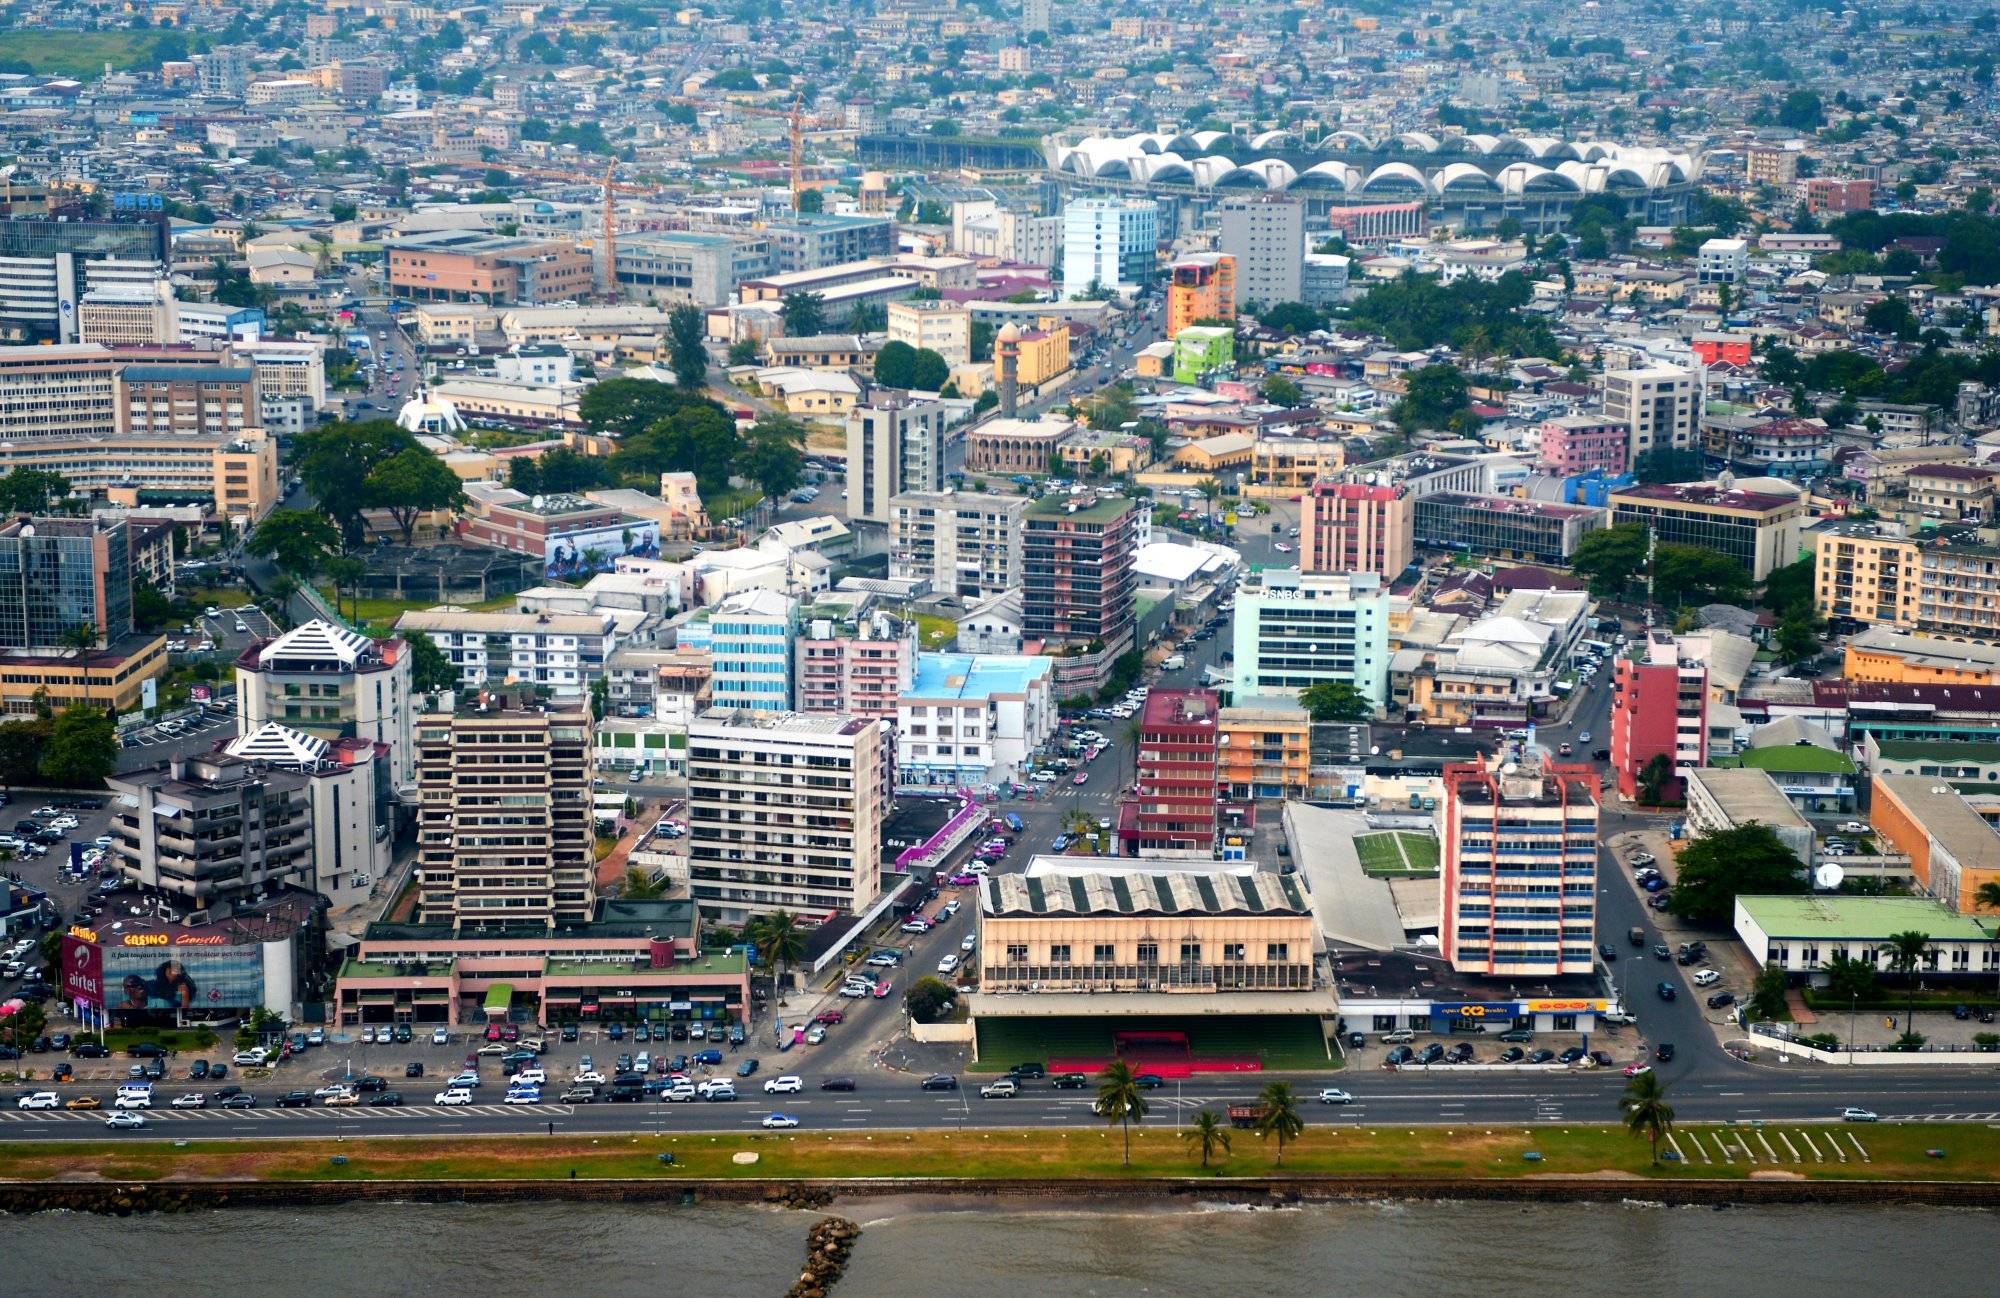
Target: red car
x=493 y=1032
x=510 y=1033
x=964 y=880
x=1081 y=777
x=881 y=989
x=829 y=1016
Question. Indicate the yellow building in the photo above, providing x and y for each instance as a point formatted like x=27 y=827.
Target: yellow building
x=1263 y=750
x=1882 y=655
x=1044 y=356
x=1213 y=454
x=1122 y=453
x=1864 y=573
x=1288 y=466
x=1155 y=361
x=113 y=675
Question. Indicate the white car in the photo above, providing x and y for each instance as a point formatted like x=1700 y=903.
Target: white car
x=816 y=1034
x=1334 y=1095
x=855 y=991
x=780 y=1120
x=1853 y=827
x=589 y=1077
x=1282 y=548
x=40 y=1100
x=453 y=1096
x=1043 y=777
x=132 y=1100
x=1707 y=978
x=786 y=1085
x=948 y=965
x=368 y=1036
x=974 y=867
x=533 y=1077
x=533 y=1095
x=247 y=1058
x=192 y=1100
x=125 y=1121
x=330 y=1090
x=968 y=942
x=440 y=1037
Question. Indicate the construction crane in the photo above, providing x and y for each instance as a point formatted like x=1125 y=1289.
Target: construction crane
x=607 y=270
x=797 y=121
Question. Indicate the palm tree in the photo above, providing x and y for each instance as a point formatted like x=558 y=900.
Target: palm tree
x=83 y=638
x=778 y=938
x=1647 y=1112
x=1280 y=1116
x=1207 y=1134
x=641 y=887
x=1906 y=955
x=1120 y=1100
x=1987 y=897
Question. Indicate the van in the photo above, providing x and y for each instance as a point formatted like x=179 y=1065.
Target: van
x=1401 y=1037
x=1174 y=662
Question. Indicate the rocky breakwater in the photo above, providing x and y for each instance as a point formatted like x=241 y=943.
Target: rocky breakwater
x=828 y=1245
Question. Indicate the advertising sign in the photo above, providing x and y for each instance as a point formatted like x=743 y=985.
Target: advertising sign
x=1506 y=1010
x=83 y=971
x=198 y=693
x=149 y=694
x=149 y=978
x=1566 y=1007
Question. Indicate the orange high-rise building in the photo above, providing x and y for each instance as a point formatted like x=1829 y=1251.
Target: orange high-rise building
x=1201 y=287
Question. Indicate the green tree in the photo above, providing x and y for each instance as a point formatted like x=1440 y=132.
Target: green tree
x=1891 y=315
x=1788 y=591
x=1801 y=111
x=335 y=462
x=1798 y=639
x=1908 y=953
x=743 y=352
x=804 y=314
x=1767 y=998
x=778 y=939
x=899 y=365
x=1686 y=574
x=1281 y=391
x=1431 y=396
x=562 y=469
x=1610 y=557
x=928 y=999
x=627 y=407
x=297 y=540
x=1750 y=859
x=811 y=200
x=429 y=668
x=345 y=571
x=82 y=748
x=773 y=455
x=410 y=483
x=33 y=491
x=1207 y=1134
x=1336 y=701
x=1848 y=979
x=687 y=346
x=1278 y=1115
x=21 y=746
x=1646 y=1110
x=1291 y=318
x=1653 y=777
x=1111 y=407
x=640 y=886
x=1119 y=1100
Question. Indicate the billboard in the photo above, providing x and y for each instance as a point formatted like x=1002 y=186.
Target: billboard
x=149 y=982
x=1508 y=1010
x=82 y=971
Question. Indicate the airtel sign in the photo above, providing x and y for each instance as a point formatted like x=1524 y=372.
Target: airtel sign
x=83 y=971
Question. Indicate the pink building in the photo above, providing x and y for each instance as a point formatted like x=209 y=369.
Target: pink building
x=858 y=667
x=1573 y=444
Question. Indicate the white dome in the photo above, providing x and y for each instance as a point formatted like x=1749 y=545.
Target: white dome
x=426 y=412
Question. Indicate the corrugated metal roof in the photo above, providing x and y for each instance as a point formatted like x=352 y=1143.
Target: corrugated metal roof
x=1114 y=893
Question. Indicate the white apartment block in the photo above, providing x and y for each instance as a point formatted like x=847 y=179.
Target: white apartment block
x=1658 y=406
x=964 y=543
x=895 y=443
x=785 y=813
x=564 y=652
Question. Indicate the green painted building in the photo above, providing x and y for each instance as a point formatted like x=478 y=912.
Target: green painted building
x=1203 y=349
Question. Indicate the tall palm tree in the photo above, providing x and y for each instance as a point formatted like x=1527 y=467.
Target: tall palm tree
x=1987 y=897
x=639 y=886
x=1906 y=956
x=778 y=939
x=1280 y=1116
x=83 y=638
x=1646 y=1110
x=1120 y=1100
x=1207 y=1134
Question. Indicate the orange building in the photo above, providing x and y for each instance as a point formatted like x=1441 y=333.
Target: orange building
x=1201 y=287
x=473 y=266
x=1952 y=849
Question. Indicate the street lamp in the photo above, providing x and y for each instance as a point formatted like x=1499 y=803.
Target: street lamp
x=1853 y=1004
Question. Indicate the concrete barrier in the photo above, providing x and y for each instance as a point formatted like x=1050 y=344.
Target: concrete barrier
x=956 y=1033
x=1878 y=1058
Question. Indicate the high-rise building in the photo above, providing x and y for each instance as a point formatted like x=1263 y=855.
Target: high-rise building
x=1035 y=16
x=1758 y=522
x=46 y=267
x=331 y=683
x=752 y=634
x=188 y=400
x=964 y=543
x=1659 y=708
x=1173 y=812
x=1110 y=244
x=1076 y=571
x=1295 y=630
x=504 y=832
x=1266 y=236
x=1657 y=407
x=785 y=813
x=895 y=443
x=854 y=665
x=57 y=574
x=1356 y=527
x=1519 y=849
x=1200 y=287
x=212 y=830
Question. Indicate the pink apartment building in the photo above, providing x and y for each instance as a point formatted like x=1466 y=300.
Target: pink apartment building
x=1573 y=444
x=858 y=667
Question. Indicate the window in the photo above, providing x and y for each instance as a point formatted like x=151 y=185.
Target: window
x=1149 y=953
x=1017 y=953
x=1190 y=952
x=1059 y=953
x=1277 y=952
x=1233 y=952
x=1103 y=953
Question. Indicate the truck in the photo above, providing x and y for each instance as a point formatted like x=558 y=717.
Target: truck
x=1637 y=935
x=1245 y=1115
x=1174 y=662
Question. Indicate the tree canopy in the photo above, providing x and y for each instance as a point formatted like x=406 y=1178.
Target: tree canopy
x=297 y=540
x=335 y=463
x=1714 y=868
x=1336 y=701
x=429 y=668
x=411 y=482
x=773 y=454
x=82 y=748
x=33 y=491
x=1686 y=574
x=919 y=369
x=1417 y=311
x=1610 y=557
x=1432 y=396
x=687 y=346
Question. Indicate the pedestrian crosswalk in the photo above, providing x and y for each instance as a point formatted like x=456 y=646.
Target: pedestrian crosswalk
x=358 y=1112
x=1941 y=1117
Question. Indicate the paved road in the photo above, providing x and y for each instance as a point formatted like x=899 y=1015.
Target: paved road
x=1443 y=1096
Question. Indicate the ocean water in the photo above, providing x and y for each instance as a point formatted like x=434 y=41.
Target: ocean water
x=1008 y=1249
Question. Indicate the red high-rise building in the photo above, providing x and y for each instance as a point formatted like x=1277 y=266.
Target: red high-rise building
x=1659 y=707
x=1174 y=811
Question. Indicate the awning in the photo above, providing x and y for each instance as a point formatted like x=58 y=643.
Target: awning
x=500 y=996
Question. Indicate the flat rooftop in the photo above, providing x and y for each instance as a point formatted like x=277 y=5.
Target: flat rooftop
x=1707 y=494
x=1944 y=814
x=975 y=676
x=1749 y=794
x=1137 y=892
x=1838 y=918
x=1104 y=509
x=1806 y=759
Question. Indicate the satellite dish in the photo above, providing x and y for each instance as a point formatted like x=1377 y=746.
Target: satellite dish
x=1829 y=875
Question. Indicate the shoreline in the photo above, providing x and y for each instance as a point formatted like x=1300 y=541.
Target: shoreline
x=903 y=1194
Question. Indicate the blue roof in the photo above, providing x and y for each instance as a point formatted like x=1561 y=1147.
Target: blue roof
x=975 y=676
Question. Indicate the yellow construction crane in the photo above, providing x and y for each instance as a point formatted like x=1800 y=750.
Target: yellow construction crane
x=607 y=273
x=797 y=121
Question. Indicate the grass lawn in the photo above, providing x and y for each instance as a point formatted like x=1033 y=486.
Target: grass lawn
x=379 y=615
x=731 y=504
x=1396 y=852
x=220 y=596
x=1291 y=1044
x=1472 y=1152
x=189 y=1039
x=936 y=632
x=1420 y=850
x=79 y=54
x=1378 y=851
